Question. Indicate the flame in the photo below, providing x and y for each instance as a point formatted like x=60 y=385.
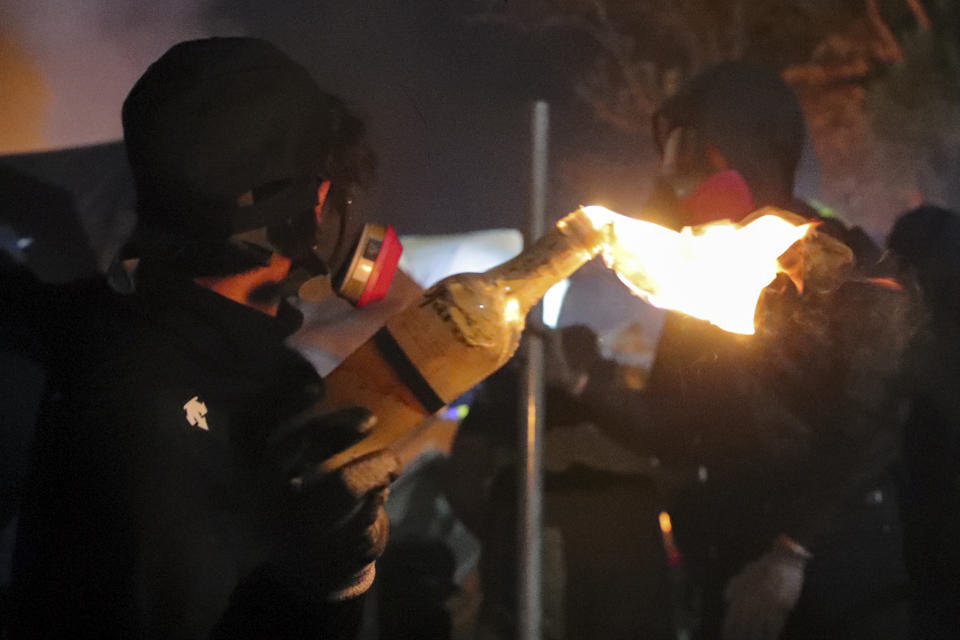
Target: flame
x=714 y=272
x=666 y=526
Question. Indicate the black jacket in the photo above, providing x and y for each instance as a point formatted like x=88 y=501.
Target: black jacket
x=150 y=504
x=930 y=504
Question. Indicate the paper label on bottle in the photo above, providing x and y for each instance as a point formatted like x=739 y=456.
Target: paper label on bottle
x=453 y=348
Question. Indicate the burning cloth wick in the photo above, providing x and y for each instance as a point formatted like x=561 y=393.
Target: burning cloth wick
x=714 y=272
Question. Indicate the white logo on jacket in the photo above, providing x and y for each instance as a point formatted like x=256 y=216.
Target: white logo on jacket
x=196 y=413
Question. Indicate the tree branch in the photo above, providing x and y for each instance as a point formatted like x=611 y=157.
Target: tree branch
x=820 y=75
x=890 y=50
x=920 y=13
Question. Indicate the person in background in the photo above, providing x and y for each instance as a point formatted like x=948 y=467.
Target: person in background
x=175 y=489
x=605 y=570
x=788 y=521
x=730 y=142
x=925 y=243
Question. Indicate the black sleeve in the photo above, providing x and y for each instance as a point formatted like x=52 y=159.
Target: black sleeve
x=688 y=410
x=805 y=418
x=263 y=607
x=484 y=443
x=20 y=314
x=645 y=422
x=844 y=390
x=74 y=553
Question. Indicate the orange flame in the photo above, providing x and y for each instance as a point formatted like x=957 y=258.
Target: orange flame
x=26 y=98
x=666 y=526
x=714 y=272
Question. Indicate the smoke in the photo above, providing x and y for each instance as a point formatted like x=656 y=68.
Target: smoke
x=76 y=61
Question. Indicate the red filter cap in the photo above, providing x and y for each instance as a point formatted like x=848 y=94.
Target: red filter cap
x=384 y=269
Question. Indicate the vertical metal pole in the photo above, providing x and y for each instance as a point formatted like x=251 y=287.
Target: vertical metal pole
x=530 y=534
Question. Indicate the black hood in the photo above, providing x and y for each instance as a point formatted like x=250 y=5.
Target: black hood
x=225 y=135
x=750 y=114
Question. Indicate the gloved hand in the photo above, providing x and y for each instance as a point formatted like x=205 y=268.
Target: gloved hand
x=760 y=597
x=332 y=525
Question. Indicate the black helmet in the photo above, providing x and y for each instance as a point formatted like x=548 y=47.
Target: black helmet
x=751 y=115
x=229 y=135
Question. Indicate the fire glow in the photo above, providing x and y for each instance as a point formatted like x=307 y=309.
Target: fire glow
x=714 y=272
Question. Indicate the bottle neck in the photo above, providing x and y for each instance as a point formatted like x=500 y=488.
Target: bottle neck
x=550 y=259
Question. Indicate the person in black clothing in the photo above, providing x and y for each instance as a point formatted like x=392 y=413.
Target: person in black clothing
x=175 y=489
x=791 y=526
x=926 y=244
x=43 y=261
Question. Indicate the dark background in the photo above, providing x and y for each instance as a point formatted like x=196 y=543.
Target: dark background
x=447 y=98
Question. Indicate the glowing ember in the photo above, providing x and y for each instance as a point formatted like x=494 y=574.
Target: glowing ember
x=714 y=272
x=665 y=525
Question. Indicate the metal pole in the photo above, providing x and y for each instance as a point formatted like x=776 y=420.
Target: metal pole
x=530 y=534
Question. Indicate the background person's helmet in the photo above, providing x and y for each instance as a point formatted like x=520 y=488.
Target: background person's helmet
x=747 y=112
x=229 y=135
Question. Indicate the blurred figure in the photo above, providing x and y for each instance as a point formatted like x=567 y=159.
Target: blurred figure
x=788 y=437
x=605 y=570
x=926 y=244
x=730 y=142
x=42 y=248
x=790 y=521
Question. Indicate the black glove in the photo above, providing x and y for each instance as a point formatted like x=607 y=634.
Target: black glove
x=331 y=525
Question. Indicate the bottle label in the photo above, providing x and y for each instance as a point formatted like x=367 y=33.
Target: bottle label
x=456 y=335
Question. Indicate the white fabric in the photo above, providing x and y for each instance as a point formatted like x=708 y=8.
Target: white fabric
x=429 y=259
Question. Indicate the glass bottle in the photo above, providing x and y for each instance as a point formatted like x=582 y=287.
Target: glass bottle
x=460 y=331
